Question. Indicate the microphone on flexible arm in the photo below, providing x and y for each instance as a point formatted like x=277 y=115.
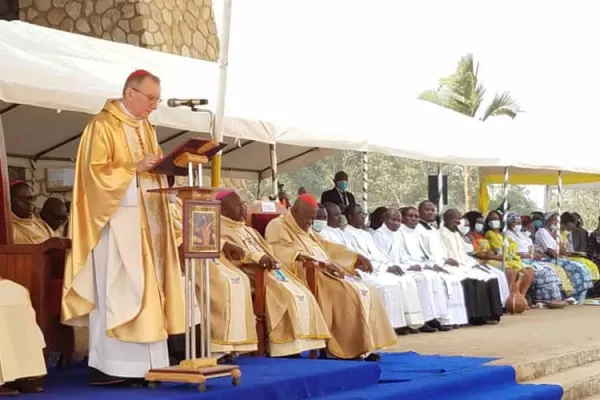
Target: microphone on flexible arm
x=186 y=102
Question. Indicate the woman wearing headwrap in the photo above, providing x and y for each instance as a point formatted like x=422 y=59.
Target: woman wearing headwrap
x=547 y=285
x=547 y=242
x=568 y=223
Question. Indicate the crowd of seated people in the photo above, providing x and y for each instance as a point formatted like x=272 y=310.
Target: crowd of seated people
x=396 y=272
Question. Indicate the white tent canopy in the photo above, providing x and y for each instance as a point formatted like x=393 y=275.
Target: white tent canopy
x=274 y=94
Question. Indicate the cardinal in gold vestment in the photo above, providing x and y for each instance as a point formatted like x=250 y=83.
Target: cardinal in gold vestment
x=353 y=311
x=123 y=271
x=294 y=320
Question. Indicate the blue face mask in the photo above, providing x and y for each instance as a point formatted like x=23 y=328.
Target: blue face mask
x=342 y=185
x=318 y=225
x=537 y=224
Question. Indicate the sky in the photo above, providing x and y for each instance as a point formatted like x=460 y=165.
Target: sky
x=544 y=52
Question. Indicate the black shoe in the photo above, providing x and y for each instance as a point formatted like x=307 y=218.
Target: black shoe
x=427 y=329
x=413 y=331
x=401 y=331
x=373 y=357
x=444 y=328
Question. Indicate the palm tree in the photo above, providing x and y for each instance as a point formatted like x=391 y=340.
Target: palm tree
x=463 y=93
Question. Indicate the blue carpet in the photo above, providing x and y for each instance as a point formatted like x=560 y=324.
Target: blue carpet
x=397 y=375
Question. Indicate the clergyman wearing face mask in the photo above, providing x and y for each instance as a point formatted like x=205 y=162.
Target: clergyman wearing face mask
x=340 y=194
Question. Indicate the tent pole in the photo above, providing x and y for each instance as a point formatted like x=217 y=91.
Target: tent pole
x=559 y=195
x=273 y=153
x=5 y=220
x=258 y=186
x=505 y=219
x=547 y=198
x=365 y=180
x=440 y=177
x=220 y=107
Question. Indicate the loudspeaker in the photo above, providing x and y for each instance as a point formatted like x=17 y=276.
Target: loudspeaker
x=432 y=189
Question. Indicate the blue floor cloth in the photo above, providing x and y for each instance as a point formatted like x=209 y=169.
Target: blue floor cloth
x=398 y=375
x=262 y=378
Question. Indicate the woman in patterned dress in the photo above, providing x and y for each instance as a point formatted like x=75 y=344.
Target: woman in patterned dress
x=547 y=284
x=547 y=242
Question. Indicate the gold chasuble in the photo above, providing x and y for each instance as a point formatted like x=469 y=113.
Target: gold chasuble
x=31 y=230
x=144 y=300
x=353 y=311
x=231 y=315
x=294 y=320
x=21 y=340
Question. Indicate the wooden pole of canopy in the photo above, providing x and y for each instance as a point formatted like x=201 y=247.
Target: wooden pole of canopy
x=5 y=220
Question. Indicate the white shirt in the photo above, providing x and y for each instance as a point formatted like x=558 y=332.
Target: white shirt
x=455 y=246
x=545 y=241
x=414 y=248
x=523 y=242
x=432 y=241
x=389 y=244
x=337 y=236
x=363 y=243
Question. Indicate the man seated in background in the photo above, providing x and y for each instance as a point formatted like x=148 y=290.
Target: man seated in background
x=398 y=292
x=294 y=320
x=21 y=342
x=354 y=314
x=54 y=214
x=27 y=227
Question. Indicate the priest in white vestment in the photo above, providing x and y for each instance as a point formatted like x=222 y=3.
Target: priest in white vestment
x=430 y=286
x=482 y=290
x=122 y=275
x=436 y=254
x=398 y=291
x=21 y=342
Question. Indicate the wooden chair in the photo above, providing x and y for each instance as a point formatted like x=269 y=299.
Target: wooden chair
x=40 y=269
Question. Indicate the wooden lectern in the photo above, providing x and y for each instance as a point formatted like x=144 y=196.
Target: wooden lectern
x=201 y=243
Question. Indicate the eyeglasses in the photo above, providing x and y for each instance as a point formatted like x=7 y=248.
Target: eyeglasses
x=151 y=99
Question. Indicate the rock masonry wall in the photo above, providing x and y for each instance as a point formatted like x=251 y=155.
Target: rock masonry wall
x=184 y=27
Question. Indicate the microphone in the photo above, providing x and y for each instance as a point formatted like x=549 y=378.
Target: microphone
x=186 y=102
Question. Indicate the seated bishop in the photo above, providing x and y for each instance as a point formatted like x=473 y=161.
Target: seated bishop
x=294 y=320
x=21 y=342
x=27 y=227
x=231 y=315
x=352 y=309
x=397 y=291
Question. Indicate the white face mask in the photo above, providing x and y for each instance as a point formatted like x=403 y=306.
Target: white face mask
x=479 y=227
x=464 y=229
x=554 y=228
x=518 y=228
x=495 y=224
x=527 y=233
x=318 y=225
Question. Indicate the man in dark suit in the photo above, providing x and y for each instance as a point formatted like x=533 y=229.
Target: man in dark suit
x=339 y=195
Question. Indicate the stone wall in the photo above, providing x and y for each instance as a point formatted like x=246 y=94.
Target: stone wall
x=36 y=178
x=184 y=27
